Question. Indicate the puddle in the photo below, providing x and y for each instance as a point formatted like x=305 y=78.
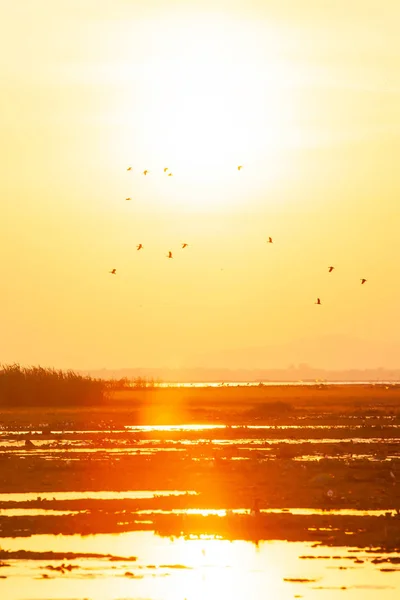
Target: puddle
x=36 y=512
x=190 y=427
x=246 y=511
x=131 y=495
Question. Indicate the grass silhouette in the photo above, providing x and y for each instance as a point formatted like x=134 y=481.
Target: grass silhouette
x=38 y=386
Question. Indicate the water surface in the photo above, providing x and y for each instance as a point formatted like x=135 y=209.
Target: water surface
x=194 y=569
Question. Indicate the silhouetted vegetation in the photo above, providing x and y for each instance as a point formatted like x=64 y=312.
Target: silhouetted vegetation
x=37 y=386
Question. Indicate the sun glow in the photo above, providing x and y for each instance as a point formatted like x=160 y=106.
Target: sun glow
x=211 y=96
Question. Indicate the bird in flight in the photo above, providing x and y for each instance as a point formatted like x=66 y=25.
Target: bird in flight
x=113 y=272
x=169 y=174
x=169 y=255
x=139 y=246
x=270 y=240
x=145 y=172
x=240 y=167
x=363 y=281
x=185 y=245
x=331 y=269
x=318 y=301
x=129 y=169
x=128 y=198
x=165 y=169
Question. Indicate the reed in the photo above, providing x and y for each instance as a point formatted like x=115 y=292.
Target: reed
x=39 y=386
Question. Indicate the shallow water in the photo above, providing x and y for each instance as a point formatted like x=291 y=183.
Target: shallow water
x=200 y=427
x=220 y=512
x=193 y=569
x=35 y=512
x=314 y=383
x=381 y=421
x=132 y=495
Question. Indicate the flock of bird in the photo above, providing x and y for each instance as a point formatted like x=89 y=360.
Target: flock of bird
x=185 y=245
x=330 y=269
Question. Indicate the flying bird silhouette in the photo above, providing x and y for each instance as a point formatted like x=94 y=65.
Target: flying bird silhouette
x=270 y=240
x=129 y=169
x=139 y=246
x=240 y=167
x=169 y=255
x=113 y=272
x=128 y=198
x=318 y=301
x=331 y=269
x=145 y=172
x=184 y=245
x=165 y=169
x=169 y=174
x=363 y=281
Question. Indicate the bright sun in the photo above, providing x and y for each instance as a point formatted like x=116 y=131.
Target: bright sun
x=209 y=97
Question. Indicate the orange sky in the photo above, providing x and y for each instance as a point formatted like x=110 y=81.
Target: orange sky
x=306 y=97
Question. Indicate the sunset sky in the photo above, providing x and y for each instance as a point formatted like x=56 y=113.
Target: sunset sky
x=304 y=94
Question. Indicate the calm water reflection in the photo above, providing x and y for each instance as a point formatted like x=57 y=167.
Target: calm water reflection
x=135 y=495
x=220 y=512
x=194 y=569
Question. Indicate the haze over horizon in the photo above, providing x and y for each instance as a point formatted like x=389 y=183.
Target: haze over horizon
x=324 y=353
x=305 y=96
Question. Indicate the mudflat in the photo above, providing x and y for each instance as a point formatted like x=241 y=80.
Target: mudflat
x=248 y=452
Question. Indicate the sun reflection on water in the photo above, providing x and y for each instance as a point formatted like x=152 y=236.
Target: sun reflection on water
x=195 y=568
